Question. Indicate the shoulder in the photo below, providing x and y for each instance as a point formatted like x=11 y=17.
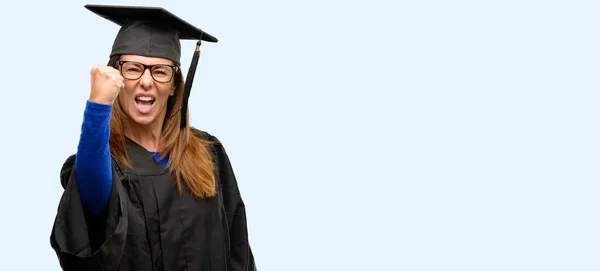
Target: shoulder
x=204 y=135
x=207 y=137
x=212 y=142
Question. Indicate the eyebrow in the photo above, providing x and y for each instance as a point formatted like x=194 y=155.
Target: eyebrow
x=131 y=60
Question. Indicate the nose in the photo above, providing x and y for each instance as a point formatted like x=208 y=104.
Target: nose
x=146 y=79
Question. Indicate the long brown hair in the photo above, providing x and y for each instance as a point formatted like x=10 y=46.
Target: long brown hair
x=190 y=161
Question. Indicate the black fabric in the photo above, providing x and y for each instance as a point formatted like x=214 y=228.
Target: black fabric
x=149 y=31
x=147 y=39
x=149 y=226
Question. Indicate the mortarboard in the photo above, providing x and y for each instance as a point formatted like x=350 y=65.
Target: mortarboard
x=154 y=32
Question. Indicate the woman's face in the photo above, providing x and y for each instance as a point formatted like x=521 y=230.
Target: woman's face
x=144 y=99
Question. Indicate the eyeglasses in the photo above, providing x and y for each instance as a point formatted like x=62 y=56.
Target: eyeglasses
x=160 y=72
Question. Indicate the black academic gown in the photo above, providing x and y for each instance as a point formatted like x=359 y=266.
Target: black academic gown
x=149 y=226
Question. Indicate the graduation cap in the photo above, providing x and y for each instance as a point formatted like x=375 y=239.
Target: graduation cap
x=154 y=32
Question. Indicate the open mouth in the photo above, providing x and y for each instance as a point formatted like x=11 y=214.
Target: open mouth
x=144 y=103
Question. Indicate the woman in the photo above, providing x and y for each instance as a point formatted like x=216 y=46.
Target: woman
x=145 y=191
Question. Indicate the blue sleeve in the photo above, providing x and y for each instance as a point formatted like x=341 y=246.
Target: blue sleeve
x=93 y=169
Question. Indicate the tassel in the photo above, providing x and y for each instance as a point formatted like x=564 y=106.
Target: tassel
x=188 y=85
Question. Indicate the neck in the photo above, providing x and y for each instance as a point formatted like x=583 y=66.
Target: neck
x=147 y=136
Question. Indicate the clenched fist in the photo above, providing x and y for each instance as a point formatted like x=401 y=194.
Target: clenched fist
x=107 y=82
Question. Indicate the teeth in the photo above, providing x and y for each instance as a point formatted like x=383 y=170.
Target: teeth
x=145 y=98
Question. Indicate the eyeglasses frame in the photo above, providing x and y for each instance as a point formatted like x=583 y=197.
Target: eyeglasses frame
x=149 y=67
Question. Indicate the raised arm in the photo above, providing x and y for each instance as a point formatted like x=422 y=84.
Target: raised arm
x=92 y=163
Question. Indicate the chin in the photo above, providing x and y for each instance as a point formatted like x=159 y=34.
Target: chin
x=143 y=120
